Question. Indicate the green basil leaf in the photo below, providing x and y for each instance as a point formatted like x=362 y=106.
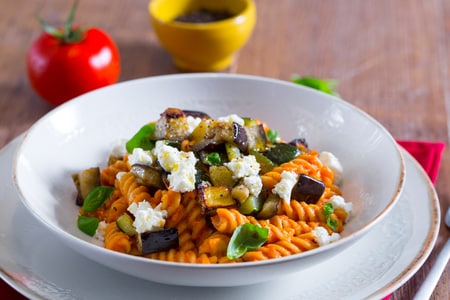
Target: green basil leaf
x=246 y=237
x=88 y=225
x=327 y=86
x=213 y=159
x=96 y=198
x=142 y=139
x=328 y=210
x=272 y=136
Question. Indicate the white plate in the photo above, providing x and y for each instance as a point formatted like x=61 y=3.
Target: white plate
x=39 y=266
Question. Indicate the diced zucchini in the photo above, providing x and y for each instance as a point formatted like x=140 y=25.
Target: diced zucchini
x=125 y=224
x=265 y=164
x=282 y=152
x=251 y=205
x=232 y=151
x=249 y=121
x=270 y=207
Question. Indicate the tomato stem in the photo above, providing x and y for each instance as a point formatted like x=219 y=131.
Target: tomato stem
x=68 y=34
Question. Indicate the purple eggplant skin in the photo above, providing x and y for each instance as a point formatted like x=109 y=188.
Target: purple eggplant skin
x=158 y=240
x=307 y=189
x=175 y=113
x=240 y=137
x=196 y=114
x=300 y=143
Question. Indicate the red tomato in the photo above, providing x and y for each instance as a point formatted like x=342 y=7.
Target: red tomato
x=60 y=70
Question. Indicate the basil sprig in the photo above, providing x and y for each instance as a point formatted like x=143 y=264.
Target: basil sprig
x=328 y=210
x=142 y=139
x=272 y=136
x=213 y=159
x=88 y=225
x=96 y=198
x=327 y=86
x=246 y=237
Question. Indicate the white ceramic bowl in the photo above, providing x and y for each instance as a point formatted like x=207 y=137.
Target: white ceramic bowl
x=80 y=134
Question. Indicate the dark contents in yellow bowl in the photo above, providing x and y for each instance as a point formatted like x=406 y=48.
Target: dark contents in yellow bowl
x=203 y=16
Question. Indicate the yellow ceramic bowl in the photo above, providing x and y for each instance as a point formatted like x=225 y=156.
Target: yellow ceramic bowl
x=202 y=46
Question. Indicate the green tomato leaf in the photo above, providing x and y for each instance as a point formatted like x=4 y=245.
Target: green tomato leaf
x=96 y=198
x=272 y=136
x=327 y=86
x=67 y=34
x=246 y=237
x=328 y=210
x=88 y=225
x=142 y=139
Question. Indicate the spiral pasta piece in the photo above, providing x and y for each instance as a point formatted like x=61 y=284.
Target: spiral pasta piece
x=227 y=220
x=297 y=244
x=133 y=191
x=215 y=245
x=302 y=211
x=171 y=202
x=299 y=165
x=175 y=255
x=116 y=209
x=199 y=227
x=116 y=240
x=108 y=175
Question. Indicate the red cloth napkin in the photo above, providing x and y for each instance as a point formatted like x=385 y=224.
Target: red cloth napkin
x=427 y=153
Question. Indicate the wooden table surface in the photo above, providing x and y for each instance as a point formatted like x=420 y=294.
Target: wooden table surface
x=391 y=58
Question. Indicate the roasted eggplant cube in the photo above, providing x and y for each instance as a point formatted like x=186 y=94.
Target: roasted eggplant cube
x=148 y=176
x=157 y=240
x=256 y=137
x=240 y=137
x=307 y=189
x=213 y=197
x=85 y=181
x=196 y=114
x=221 y=175
x=300 y=143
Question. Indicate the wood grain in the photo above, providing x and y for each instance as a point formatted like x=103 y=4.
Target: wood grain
x=391 y=59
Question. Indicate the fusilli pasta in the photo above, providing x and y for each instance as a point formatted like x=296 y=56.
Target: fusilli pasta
x=205 y=220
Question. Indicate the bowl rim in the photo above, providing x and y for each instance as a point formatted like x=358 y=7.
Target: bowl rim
x=72 y=239
x=244 y=15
